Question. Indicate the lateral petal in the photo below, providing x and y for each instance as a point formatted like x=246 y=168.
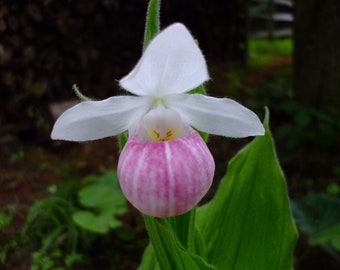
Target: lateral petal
x=91 y=120
x=219 y=116
x=172 y=63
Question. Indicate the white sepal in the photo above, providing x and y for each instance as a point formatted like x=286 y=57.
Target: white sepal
x=219 y=116
x=172 y=63
x=91 y=120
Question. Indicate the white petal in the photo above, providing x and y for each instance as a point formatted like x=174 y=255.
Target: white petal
x=91 y=120
x=219 y=116
x=172 y=63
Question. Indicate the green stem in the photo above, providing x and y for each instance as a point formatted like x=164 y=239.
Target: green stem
x=191 y=230
x=80 y=94
x=184 y=228
x=154 y=234
x=152 y=22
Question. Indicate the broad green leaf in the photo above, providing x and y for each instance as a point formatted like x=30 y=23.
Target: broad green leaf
x=248 y=224
x=168 y=249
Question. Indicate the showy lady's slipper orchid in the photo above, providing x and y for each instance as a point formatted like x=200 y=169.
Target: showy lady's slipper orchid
x=165 y=167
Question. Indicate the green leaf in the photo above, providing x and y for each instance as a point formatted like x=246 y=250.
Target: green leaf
x=102 y=198
x=168 y=249
x=318 y=217
x=248 y=224
x=5 y=220
x=149 y=260
x=316 y=212
x=198 y=90
x=105 y=200
x=327 y=236
x=152 y=24
x=122 y=139
x=96 y=223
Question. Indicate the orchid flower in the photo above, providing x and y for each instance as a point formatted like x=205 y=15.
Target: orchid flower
x=165 y=167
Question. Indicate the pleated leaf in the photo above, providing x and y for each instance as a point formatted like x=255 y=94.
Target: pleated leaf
x=248 y=224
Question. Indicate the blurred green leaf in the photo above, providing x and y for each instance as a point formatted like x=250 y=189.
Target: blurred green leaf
x=99 y=224
x=333 y=188
x=248 y=224
x=330 y=235
x=102 y=198
x=316 y=212
x=303 y=118
x=105 y=200
x=73 y=258
x=318 y=217
x=5 y=220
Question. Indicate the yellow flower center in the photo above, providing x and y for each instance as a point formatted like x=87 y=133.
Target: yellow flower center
x=162 y=124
